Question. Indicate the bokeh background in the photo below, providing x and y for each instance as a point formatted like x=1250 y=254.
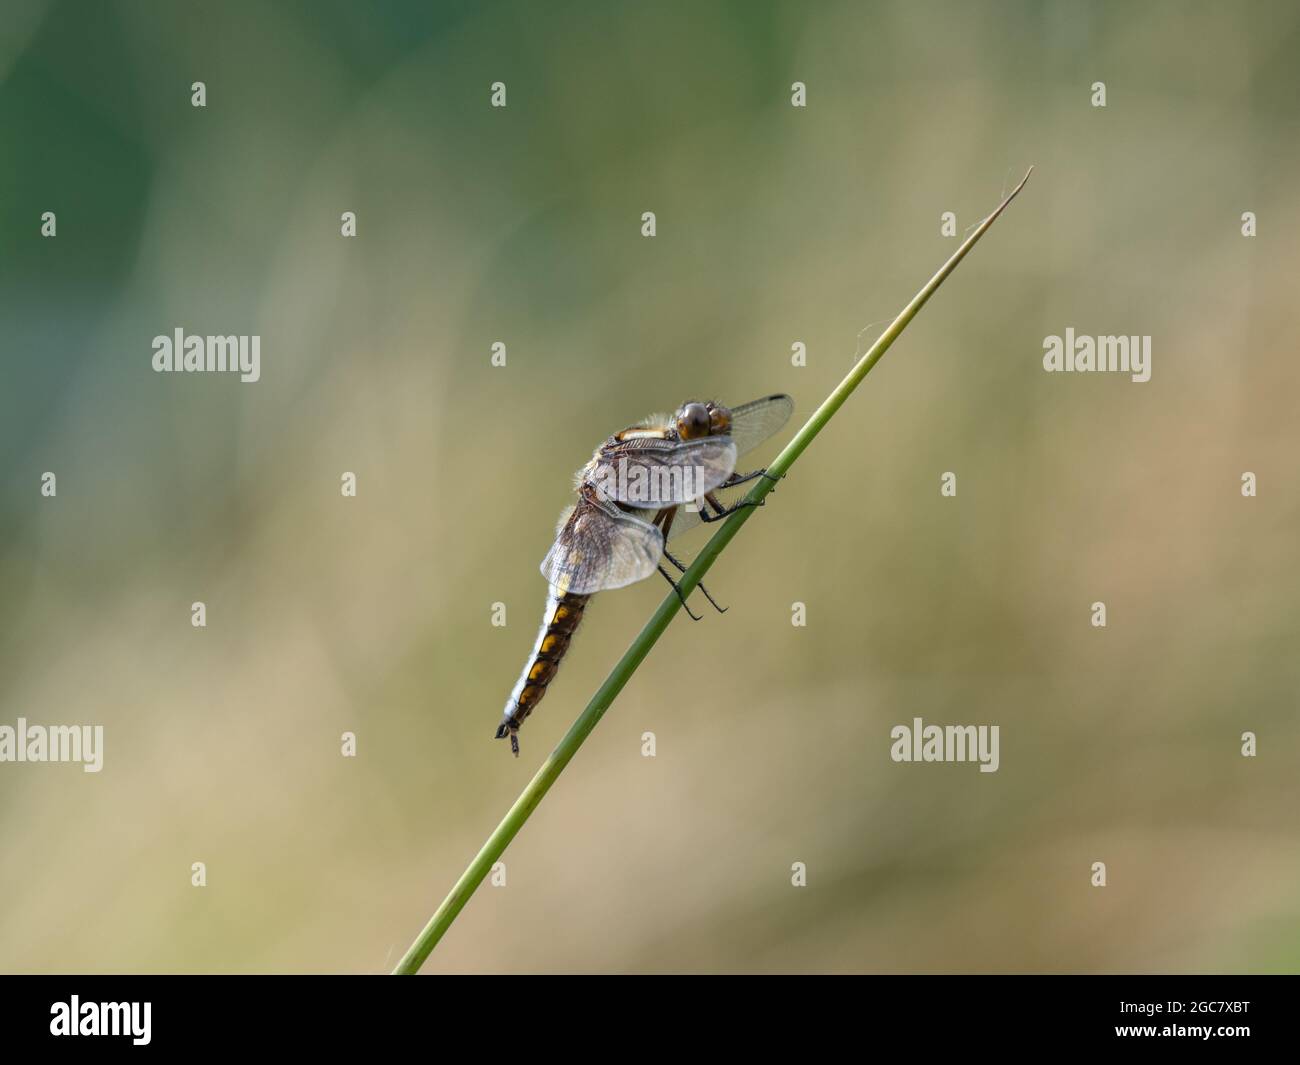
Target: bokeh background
x=775 y=225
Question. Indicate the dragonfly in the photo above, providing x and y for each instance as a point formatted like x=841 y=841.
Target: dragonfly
x=644 y=485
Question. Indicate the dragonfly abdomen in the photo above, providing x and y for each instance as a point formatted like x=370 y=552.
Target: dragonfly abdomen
x=563 y=614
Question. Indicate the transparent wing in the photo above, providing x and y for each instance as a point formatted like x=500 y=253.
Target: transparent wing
x=686 y=519
x=752 y=423
x=650 y=473
x=599 y=547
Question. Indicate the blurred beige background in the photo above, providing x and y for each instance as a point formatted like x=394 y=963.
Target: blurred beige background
x=775 y=225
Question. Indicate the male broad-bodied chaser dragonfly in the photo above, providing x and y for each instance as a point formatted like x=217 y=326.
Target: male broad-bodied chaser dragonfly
x=631 y=501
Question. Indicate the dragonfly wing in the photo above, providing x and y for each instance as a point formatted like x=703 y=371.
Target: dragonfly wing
x=754 y=422
x=600 y=547
x=751 y=424
x=651 y=473
x=686 y=519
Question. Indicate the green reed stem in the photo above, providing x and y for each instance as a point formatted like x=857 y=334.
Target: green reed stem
x=654 y=628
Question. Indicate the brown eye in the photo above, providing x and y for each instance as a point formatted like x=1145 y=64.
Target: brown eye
x=693 y=421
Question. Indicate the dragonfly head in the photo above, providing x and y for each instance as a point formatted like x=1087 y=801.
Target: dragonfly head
x=695 y=420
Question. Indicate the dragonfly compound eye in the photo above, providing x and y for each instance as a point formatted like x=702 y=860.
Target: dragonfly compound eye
x=693 y=421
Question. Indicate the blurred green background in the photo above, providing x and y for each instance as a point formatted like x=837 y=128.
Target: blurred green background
x=775 y=225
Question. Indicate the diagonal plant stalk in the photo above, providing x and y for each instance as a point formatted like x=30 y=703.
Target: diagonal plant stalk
x=654 y=628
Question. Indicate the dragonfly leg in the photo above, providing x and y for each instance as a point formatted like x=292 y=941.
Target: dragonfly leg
x=685 y=605
x=664 y=519
x=676 y=562
x=722 y=511
x=742 y=478
x=514 y=741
